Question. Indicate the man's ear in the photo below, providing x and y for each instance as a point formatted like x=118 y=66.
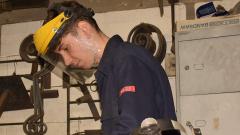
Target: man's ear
x=84 y=28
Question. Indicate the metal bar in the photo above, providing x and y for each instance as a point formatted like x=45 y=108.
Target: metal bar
x=34 y=68
x=67 y=78
x=86 y=84
x=190 y=11
x=9 y=61
x=46 y=81
x=92 y=101
x=0 y=38
x=50 y=94
x=91 y=105
x=160 y=5
x=84 y=118
x=68 y=111
x=11 y=124
x=41 y=98
x=173 y=26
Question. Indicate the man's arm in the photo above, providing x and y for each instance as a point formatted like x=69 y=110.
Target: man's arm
x=136 y=94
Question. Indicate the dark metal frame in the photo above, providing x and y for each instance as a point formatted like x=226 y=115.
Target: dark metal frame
x=67 y=84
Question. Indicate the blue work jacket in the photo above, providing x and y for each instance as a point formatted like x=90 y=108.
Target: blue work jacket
x=132 y=86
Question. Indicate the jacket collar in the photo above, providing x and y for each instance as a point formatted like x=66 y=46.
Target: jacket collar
x=109 y=53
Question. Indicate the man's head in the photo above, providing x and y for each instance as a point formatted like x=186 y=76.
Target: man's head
x=71 y=32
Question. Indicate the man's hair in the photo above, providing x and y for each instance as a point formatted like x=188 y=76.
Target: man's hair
x=82 y=13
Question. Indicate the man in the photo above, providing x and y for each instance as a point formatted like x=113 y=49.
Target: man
x=132 y=83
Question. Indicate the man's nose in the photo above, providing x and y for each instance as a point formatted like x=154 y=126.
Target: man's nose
x=66 y=59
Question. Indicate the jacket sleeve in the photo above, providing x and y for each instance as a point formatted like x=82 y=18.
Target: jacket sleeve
x=134 y=81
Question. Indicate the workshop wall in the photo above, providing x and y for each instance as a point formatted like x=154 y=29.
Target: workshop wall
x=55 y=109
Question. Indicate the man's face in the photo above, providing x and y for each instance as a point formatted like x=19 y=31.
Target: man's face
x=77 y=51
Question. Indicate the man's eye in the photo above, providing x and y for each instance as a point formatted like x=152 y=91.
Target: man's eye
x=64 y=49
x=67 y=47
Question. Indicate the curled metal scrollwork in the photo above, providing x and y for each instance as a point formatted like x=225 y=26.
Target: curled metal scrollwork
x=27 y=49
x=142 y=35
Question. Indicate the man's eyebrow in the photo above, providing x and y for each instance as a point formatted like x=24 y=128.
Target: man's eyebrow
x=59 y=47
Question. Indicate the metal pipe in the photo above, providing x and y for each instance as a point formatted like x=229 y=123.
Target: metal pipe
x=68 y=110
x=9 y=61
x=11 y=124
x=86 y=84
x=0 y=37
x=84 y=118
x=66 y=81
x=92 y=101
x=173 y=26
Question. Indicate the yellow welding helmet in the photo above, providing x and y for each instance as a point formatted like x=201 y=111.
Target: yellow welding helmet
x=47 y=38
x=46 y=33
x=60 y=16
